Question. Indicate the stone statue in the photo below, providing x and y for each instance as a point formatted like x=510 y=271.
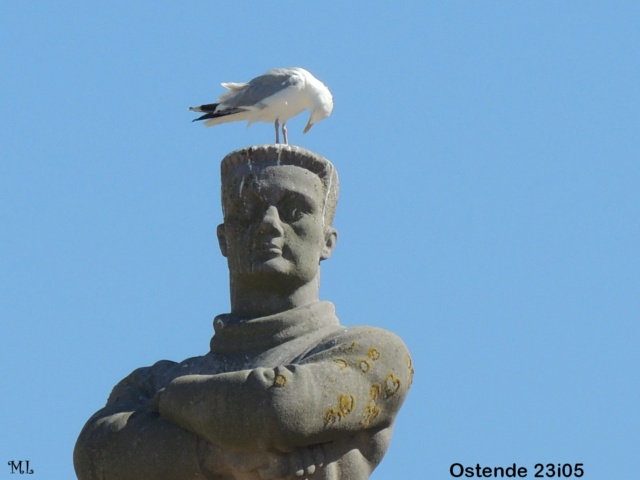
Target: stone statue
x=285 y=391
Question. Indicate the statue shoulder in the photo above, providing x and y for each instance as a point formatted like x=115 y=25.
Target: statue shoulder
x=370 y=349
x=143 y=383
x=361 y=339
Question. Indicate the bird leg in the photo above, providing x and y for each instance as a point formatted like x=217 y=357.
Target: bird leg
x=277 y=125
x=284 y=133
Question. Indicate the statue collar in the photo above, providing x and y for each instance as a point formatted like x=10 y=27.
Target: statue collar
x=235 y=335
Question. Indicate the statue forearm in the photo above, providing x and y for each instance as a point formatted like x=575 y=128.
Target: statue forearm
x=136 y=445
x=140 y=446
x=282 y=408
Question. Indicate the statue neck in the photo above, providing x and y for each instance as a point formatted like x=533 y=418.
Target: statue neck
x=262 y=299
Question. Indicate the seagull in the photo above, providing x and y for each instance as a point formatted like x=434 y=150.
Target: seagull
x=276 y=96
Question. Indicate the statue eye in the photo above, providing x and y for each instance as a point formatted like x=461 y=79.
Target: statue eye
x=240 y=218
x=292 y=208
x=290 y=213
x=246 y=211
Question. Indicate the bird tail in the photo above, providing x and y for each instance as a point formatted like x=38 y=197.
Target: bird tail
x=209 y=107
x=224 y=116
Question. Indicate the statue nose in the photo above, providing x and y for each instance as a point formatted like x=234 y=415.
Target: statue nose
x=271 y=221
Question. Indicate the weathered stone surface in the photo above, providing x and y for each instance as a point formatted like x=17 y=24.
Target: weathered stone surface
x=285 y=391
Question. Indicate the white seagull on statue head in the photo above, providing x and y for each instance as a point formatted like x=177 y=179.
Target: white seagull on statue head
x=276 y=96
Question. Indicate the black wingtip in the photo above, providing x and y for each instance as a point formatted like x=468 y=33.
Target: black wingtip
x=206 y=116
x=209 y=107
x=223 y=113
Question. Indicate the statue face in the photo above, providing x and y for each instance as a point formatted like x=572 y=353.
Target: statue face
x=273 y=229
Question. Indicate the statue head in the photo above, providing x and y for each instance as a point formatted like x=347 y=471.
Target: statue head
x=278 y=204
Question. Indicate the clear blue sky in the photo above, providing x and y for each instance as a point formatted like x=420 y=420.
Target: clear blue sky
x=490 y=167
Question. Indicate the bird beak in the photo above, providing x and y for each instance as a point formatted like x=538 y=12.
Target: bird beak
x=308 y=127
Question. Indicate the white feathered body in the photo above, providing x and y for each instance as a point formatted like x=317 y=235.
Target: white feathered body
x=276 y=96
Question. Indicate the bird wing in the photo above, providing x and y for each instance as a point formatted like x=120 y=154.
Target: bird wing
x=234 y=87
x=253 y=94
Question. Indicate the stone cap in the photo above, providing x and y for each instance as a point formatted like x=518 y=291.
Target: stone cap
x=278 y=154
x=261 y=156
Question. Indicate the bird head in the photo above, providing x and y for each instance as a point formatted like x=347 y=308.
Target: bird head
x=321 y=106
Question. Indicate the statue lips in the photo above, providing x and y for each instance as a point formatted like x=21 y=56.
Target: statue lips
x=267 y=249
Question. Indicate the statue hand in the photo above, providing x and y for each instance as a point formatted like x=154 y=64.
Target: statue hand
x=300 y=463
x=295 y=465
x=154 y=403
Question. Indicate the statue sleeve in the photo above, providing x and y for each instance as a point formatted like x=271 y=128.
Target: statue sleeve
x=352 y=382
x=127 y=441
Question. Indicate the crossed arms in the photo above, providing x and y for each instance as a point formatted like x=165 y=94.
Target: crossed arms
x=258 y=424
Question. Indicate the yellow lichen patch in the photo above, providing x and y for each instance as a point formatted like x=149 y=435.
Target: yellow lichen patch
x=331 y=416
x=364 y=365
x=371 y=411
x=346 y=404
x=391 y=384
x=410 y=365
x=375 y=391
x=373 y=354
x=341 y=362
x=349 y=348
x=280 y=380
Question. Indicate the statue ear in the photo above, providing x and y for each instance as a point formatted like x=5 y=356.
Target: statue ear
x=330 y=239
x=222 y=239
